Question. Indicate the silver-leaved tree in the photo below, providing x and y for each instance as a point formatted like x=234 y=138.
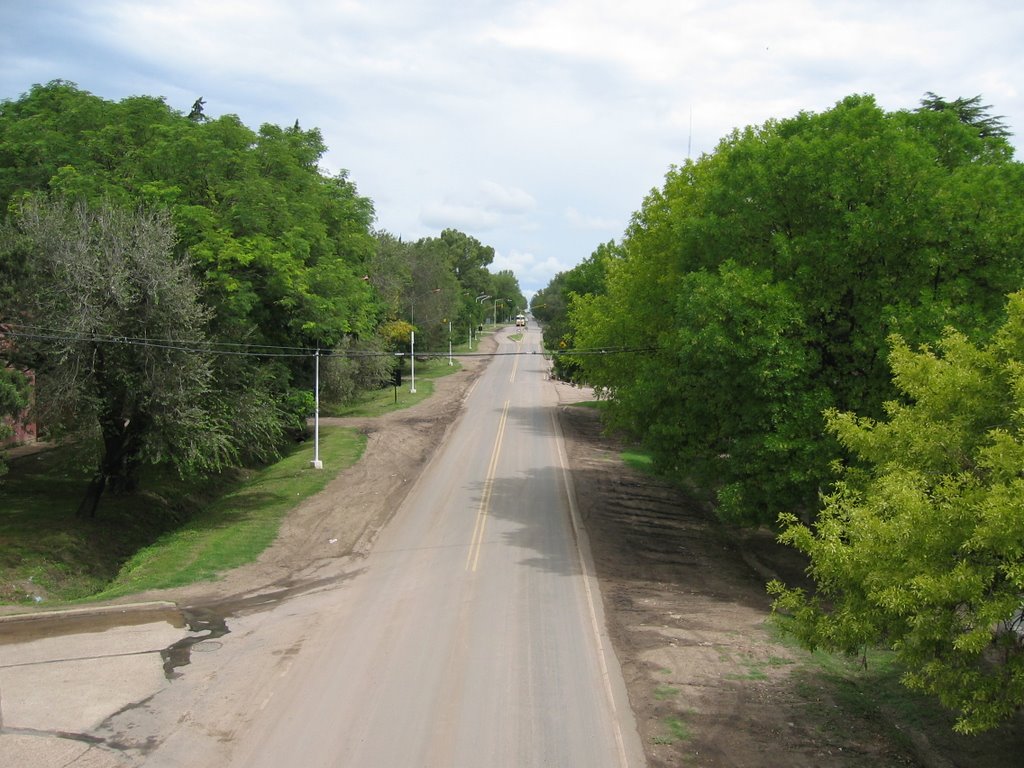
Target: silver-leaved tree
x=110 y=320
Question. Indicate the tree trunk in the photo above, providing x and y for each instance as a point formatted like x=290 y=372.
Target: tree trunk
x=116 y=470
x=87 y=507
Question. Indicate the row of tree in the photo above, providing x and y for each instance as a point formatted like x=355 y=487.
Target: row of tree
x=168 y=278
x=778 y=285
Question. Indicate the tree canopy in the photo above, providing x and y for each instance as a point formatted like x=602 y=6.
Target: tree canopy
x=437 y=281
x=551 y=305
x=768 y=275
x=279 y=246
x=277 y=259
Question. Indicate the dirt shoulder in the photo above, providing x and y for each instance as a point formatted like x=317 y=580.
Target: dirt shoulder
x=687 y=613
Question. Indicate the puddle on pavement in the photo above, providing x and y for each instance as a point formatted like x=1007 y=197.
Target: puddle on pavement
x=206 y=622
x=203 y=625
x=37 y=626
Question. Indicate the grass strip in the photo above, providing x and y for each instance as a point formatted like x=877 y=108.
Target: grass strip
x=236 y=528
x=390 y=399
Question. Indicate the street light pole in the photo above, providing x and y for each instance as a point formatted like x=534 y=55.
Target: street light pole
x=503 y=303
x=479 y=300
x=316 y=463
x=412 y=357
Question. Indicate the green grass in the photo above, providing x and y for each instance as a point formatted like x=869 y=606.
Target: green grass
x=396 y=398
x=639 y=459
x=755 y=667
x=46 y=551
x=676 y=730
x=239 y=526
x=173 y=533
x=665 y=692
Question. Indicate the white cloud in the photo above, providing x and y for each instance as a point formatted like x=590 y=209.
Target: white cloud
x=488 y=206
x=581 y=221
x=504 y=199
x=535 y=125
x=532 y=271
x=449 y=215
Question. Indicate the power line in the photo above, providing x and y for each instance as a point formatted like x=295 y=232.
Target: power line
x=243 y=349
x=65 y=334
x=189 y=347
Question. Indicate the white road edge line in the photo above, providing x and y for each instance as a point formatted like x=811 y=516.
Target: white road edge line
x=574 y=518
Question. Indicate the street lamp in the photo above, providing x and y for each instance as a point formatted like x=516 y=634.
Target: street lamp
x=316 y=463
x=479 y=300
x=412 y=358
x=412 y=336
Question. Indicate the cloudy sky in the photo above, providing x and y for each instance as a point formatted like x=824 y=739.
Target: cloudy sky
x=537 y=126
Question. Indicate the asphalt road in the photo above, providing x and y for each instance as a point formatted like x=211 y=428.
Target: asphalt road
x=473 y=637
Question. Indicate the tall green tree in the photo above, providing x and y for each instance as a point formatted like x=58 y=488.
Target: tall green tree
x=470 y=259
x=971 y=112
x=280 y=249
x=870 y=222
x=504 y=287
x=436 y=281
x=551 y=304
x=920 y=546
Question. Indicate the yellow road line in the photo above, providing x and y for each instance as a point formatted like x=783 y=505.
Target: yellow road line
x=481 y=516
x=515 y=364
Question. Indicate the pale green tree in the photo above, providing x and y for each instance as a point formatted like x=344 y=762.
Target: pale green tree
x=920 y=545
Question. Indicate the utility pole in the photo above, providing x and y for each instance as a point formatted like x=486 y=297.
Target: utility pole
x=412 y=358
x=316 y=463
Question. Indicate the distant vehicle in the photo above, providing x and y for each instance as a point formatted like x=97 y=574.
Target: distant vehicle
x=520 y=321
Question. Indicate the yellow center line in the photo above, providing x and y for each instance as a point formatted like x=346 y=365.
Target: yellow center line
x=481 y=516
x=515 y=364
